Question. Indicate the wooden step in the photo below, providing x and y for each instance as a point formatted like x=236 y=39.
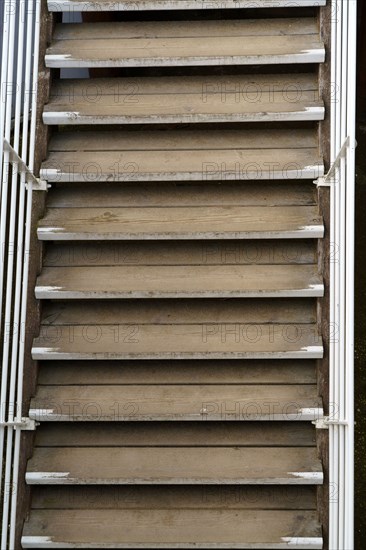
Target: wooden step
x=132 y=5
x=156 y=528
x=154 y=329
x=193 y=402
x=56 y=380
x=182 y=194
x=185 y=100
x=168 y=223
x=181 y=253
x=190 y=497
x=186 y=43
x=174 y=465
x=198 y=281
x=63 y=373
x=176 y=434
x=200 y=155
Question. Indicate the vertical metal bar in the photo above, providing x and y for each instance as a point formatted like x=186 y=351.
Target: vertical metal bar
x=7 y=84
x=24 y=290
x=342 y=275
x=11 y=222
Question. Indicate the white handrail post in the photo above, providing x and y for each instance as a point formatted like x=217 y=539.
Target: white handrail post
x=343 y=125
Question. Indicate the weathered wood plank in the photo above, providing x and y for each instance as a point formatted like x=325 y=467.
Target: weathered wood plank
x=183 y=165
x=248 y=252
x=172 y=529
x=193 y=497
x=169 y=223
x=234 y=88
x=176 y=341
x=204 y=28
x=254 y=311
x=174 y=403
x=182 y=139
x=185 y=100
x=184 y=194
x=155 y=43
x=176 y=434
x=177 y=372
x=201 y=155
x=181 y=465
x=198 y=281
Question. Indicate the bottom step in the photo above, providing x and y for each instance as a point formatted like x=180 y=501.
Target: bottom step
x=162 y=528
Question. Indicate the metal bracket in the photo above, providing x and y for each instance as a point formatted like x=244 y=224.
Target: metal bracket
x=25 y=424
x=37 y=183
x=326 y=421
x=328 y=180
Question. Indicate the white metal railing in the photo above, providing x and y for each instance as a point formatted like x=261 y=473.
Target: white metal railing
x=19 y=75
x=342 y=197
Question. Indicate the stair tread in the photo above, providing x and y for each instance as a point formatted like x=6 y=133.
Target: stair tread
x=185 y=99
x=157 y=43
x=199 y=222
x=174 y=465
x=179 y=329
x=117 y=5
x=178 y=342
x=176 y=434
x=63 y=373
x=172 y=529
x=175 y=402
x=185 y=155
x=205 y=281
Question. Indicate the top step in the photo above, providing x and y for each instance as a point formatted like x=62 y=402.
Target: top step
x=141 y=5
x=186 y=43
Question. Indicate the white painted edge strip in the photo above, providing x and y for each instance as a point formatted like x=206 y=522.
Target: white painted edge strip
x=61 y=61
x=57 y=478
x=76 y=118
x=122 y=5
x=59 y=293
x=48 y=477
x=51 y=415
x=62 y=234
x=301 y=543
x=304 y=542
x=39 y=353
x=306 y=172
x=309 y=477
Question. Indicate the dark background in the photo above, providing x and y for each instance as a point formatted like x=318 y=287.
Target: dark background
x=360 y=321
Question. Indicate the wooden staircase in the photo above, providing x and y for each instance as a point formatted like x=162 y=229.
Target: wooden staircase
x=180 y=334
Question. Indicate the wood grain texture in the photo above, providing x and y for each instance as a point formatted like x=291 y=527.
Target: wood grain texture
x=176 y=341
x=184 y=100
x=156 y=43
x=185 y=155
x=169 y=402
x=169 y=223
x=183 y=465
x=172 y=529
x=193 y=497
x=176 y=434
x=63 y=373
x=198 y=281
